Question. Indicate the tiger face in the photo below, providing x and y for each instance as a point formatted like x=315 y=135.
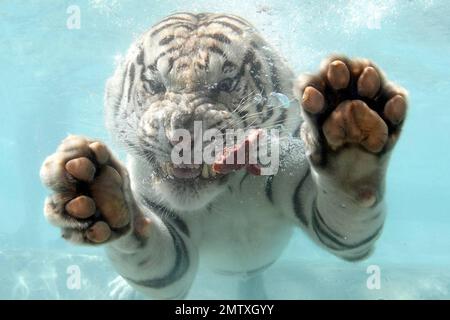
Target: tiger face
x=212 y=69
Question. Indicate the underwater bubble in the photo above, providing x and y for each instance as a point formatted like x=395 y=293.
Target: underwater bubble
x=282 y=99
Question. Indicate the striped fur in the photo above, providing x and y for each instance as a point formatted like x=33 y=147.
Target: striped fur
x=216 y=68
x=186 y=53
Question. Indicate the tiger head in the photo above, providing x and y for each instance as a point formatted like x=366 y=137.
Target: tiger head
x=212 y=69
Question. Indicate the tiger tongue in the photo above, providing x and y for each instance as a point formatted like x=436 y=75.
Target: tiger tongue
x=228 y=160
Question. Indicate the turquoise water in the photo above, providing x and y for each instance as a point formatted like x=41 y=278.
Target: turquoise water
x=52 y=81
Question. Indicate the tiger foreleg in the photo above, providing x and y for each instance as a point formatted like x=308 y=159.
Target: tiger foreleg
x=353 y=119
x=93 y=204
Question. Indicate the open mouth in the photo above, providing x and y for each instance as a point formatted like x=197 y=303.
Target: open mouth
x=224 y=163
x=190 y=171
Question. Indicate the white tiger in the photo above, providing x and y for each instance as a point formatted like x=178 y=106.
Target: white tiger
x=156 y=218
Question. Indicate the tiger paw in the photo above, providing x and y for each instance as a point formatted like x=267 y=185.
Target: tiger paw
x=91 y=197
x=353 y=119
x=349 y=104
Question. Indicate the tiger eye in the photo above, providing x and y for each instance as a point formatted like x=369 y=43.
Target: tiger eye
x=225 y=85
x=154 y=87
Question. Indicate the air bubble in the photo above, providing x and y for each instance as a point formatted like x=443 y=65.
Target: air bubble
x=282 y=100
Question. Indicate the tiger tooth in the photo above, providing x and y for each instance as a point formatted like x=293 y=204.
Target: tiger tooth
x=205 y=171
x=167 y=168
x=211 y=171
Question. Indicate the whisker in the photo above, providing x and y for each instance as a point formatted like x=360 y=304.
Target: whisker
x=243 y=100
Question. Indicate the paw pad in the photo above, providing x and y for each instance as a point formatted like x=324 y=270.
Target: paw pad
x=88 y=202
x=351 y=104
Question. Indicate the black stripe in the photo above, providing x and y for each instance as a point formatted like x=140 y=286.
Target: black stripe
x=164 y=53
x=120 y=96
x=255 y=68
x=243 y=115
x=187 y=25
x=183 y=66
x=268 y=188
x=228 y=66
x=241 y=21
x=166 y=40
x=248 y=57
x=297 y=205
x=231 y=26
x=360 y=256
x=321 y=234
x=296 y=132
x=171 y=61
x=129 y=143
x=324 y=226
x=182 y=55
x=130 y=86
x=218 y=36
x=274 y=76
x=282 y=117
x=374 y=217
x=153 y=146
x=217 y=50
x=175 y=17
x=180 y=267
x=324 y=232
x=166 y=215
x=370 y=238
x=206 y=61
x=141 y=62
x=269 y=113
x=254 y=44
x=276 y=87
x=140 y=59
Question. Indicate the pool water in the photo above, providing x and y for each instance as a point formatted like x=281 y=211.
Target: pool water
x=52 y=80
